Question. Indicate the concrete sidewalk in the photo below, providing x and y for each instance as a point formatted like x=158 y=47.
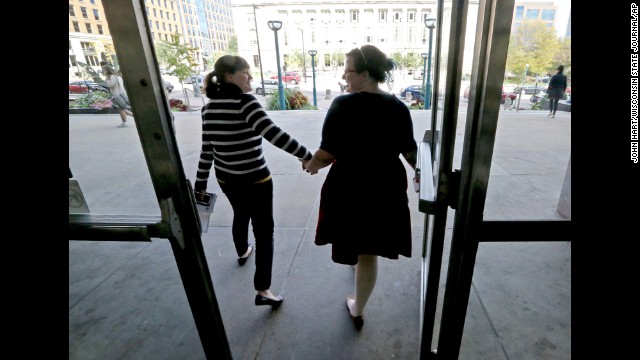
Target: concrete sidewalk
x=126 y=300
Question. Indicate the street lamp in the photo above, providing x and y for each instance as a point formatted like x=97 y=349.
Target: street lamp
x=524 y=77
x=313 y=71
x=424 y=68
x=276 y=25
x=430 y=23
x=304 y=59
x=255 y=23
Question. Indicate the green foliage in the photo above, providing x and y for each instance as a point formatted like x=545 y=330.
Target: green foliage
x=399 y=59
x=232 y=48
x=294 y=99
x=88 y=100
x=337 y=59
x=535 y=44
x=177 y=58
x=413 y=62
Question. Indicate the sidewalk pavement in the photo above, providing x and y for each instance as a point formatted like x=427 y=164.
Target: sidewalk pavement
x=126 y=300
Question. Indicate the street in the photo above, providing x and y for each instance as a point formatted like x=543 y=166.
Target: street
x=323 y=83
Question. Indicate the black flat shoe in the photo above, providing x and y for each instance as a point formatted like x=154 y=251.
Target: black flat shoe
x=262 y=300
x=243 y=260
x=358 y=321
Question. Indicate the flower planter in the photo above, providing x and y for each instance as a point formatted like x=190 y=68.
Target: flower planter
x=92 y=111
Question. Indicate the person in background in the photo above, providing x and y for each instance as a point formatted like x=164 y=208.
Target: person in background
x=364 y=210
x=233 y=125
x=119 y=97
x=555 y=90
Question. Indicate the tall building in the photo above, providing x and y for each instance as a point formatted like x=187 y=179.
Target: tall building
x=204 y=24
x=543 y=10
x=330 y=27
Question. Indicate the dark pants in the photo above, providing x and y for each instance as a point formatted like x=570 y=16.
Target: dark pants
x=553 y=106
x=253 y=202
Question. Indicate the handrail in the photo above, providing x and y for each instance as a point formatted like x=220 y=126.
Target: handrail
x=424 y=170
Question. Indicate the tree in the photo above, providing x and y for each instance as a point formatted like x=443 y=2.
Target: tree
x=232 y=47
x=399 y=60
x=532 y=43
x=177 y=58
x=411 y=61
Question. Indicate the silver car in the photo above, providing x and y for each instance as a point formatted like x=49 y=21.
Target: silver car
x=269 y=87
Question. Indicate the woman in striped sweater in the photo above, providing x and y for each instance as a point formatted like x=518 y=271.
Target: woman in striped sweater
x=233 y=125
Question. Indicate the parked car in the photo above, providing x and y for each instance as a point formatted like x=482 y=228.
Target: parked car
x=269 y=87
x=530 y=89
x=83 y=87
x=291 y=77
x=512 y=95
x=415 y=90
x=167 y=85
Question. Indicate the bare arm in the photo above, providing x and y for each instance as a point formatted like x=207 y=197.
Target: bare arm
x=319 y=160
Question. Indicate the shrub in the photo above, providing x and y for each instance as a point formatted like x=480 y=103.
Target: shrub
x=177 y=105
x=294 y=99
x=93 y=99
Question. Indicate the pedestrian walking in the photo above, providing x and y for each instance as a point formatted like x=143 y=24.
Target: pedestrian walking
x=556 y=89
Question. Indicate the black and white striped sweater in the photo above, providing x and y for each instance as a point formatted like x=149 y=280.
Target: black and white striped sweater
x=233 y=125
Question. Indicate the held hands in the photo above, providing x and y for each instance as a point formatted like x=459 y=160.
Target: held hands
x=305 y=167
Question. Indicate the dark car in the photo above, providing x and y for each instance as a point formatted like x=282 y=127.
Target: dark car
x=290 y=77
x=269 y=87
x=504 y=95
x=83 y=87
x=530 y=89
x=415 y=90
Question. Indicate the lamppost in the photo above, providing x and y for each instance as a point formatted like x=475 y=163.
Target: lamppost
x=255 y=23
x=304 y=59
x=276 y=25
x=424 y=69
x=524 y=77
x=313 y=71
x=430 y=23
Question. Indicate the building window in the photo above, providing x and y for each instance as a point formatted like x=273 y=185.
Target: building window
x=397 y=16
x=548 y=14
x=256 y=61
x=339 y=16
x=367 y=39
x=424 y=35
x=71 y=11
x=354 y=15
x=382 y=16
x=73 y=60
x=92 y=2
x=532 y=13
x=89 y=28
x=311 y=15
x=96 y=14
x=93 y=60
x=76 y=26
x=86 y=46
x=325 y=15
x=83 y=10
x=396 y=34
x=519 y=12
x=100 y=31
x=411 y=16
